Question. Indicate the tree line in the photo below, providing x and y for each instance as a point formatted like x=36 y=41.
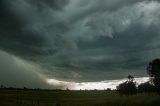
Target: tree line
x=153 y=85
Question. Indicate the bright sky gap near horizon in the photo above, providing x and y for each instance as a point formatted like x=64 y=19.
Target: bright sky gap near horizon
x=77 y=44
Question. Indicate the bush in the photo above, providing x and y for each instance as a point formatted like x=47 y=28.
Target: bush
x=146 y=88
x=127 y=88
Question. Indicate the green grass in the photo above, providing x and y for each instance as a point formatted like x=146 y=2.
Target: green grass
x=75 y=98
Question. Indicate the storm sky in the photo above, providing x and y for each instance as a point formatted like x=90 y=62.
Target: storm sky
x=76 y=40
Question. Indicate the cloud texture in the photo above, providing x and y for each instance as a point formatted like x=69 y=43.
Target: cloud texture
x=79 y=40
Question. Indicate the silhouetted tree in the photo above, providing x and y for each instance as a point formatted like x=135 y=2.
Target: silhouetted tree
x=128 y=87
x=146 y=88
x=25 y=88
x=67 y=89
x=153 y=70
x=108 y=89
x=130 y=78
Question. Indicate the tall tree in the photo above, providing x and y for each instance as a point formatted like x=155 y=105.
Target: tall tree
x=153 y=70
x=130 y=78
x=128 y=87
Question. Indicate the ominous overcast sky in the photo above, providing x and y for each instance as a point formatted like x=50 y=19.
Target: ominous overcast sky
x=76 y=40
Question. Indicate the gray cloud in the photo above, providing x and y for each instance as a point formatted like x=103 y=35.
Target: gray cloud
x=54 y=4
x=82 y=40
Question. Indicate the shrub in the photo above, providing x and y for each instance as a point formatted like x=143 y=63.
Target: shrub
x=146 y=88
x=127 y=88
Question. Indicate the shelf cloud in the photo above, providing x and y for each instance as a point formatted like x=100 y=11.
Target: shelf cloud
x=77 y=40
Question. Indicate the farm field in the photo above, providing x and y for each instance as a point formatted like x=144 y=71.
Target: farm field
x=75 y=98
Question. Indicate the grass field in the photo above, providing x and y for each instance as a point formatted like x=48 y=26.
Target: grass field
x=75 y=98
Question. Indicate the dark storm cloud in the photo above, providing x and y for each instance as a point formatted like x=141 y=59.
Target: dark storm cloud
x=17 y=35
x=14 y=37
x=127 y=51
x=54 y=4
x=82 y=40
